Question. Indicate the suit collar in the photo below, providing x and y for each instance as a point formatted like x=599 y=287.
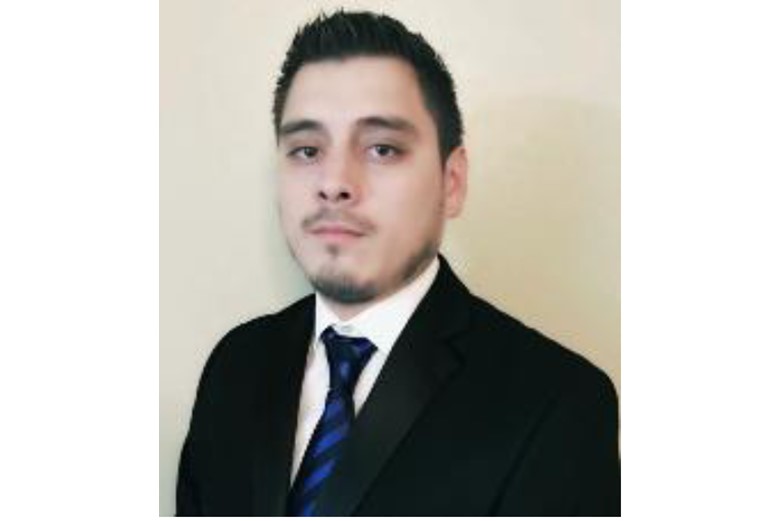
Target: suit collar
x=423 y=358
x=278 y=393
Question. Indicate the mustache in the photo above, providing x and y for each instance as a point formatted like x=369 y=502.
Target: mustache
x=331 y=216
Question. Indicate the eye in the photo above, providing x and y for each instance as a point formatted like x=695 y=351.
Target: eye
x=306 y=153
x=383 y=151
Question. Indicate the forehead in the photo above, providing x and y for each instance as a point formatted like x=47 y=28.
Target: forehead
x=338 y=92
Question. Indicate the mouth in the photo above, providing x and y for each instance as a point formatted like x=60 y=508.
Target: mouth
x=336 y=232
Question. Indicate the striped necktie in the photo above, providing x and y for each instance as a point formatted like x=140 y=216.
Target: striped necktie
x=347 y=357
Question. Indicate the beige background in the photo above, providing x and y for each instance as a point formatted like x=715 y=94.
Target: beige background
x=538 y=83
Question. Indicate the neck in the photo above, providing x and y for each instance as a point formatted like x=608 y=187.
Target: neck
x=347 y=311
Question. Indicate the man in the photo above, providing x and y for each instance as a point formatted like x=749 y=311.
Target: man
x=392 y=390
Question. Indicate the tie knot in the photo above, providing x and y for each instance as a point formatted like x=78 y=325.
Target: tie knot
x=347 y=357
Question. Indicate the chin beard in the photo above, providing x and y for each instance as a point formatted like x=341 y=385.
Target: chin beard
x=341 y=288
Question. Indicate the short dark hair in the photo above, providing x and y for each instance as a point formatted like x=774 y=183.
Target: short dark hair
x=343 y=35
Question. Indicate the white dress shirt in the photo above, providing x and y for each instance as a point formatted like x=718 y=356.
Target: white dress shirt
x=382 y=324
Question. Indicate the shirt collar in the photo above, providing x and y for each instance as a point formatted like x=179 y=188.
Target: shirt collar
x=382 y=322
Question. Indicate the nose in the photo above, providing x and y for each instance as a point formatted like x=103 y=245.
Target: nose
x=340 y=181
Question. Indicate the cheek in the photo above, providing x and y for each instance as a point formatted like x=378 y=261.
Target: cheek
x=424 y=196
x=289 y=220
x=412 y=207
x=291 y=199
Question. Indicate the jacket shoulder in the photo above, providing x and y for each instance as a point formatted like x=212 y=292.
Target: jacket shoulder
x=260 y=324
x=251 y=338
x=525 y=350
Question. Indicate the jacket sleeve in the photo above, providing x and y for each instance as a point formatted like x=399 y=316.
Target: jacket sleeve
x=187 y=502
x=572 y=465
x=189 y=497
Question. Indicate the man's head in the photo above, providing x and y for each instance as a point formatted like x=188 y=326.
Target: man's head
x=370 y=155
x=344 y=35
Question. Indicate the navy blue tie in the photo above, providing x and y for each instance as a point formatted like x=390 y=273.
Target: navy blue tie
x=347 y=357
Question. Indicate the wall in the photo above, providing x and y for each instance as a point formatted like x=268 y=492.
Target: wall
x=538 y=83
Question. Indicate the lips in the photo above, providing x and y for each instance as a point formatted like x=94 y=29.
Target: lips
x=335 y=229
x=337 y=232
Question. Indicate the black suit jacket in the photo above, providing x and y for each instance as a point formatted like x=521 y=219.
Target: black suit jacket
x=473 y=414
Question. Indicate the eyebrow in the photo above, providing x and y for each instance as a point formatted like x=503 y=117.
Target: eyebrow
x=388 y=122
x=393 y=123
x=300 y=125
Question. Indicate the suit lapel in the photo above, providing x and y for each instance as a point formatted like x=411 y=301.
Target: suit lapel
x=422 y=359
x=279 y=387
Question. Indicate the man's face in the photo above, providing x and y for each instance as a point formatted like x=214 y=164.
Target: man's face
x=362 y=193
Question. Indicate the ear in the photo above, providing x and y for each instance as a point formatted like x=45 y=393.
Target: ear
x=456 y=173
